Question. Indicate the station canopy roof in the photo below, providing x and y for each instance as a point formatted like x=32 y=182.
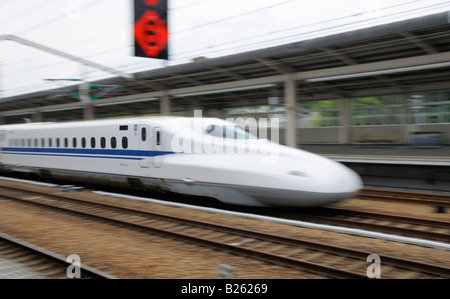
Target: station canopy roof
x=396 y=58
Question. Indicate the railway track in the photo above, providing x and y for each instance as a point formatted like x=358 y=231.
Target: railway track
x=408 y=197
x=385 y=223
x=43 y=261
x=322 y=259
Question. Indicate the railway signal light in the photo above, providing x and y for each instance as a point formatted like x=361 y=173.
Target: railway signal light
x=150 y=29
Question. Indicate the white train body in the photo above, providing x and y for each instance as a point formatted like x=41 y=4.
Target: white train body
x=184 y=155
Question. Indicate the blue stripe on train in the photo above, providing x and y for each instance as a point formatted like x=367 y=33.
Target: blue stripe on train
x=85 y=153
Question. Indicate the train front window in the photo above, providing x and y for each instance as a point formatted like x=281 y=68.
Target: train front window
x=230 y=131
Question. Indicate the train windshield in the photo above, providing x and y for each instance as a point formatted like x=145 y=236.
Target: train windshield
x=231 y=131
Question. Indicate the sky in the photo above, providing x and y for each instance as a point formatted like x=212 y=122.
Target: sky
x=101 y=31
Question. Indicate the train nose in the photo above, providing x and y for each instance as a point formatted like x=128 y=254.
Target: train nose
x=338 y=178
x=325 y=183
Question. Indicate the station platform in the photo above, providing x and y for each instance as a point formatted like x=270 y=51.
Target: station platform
x=10 y=269
x=383 y=154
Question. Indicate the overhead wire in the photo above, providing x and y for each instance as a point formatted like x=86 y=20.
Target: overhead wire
x=30 y=8
x=290 y=29
x=278 y=40
x=187 y=5
x=56 y=18
x=232 y=17
x=233 y=45
x=281 y=3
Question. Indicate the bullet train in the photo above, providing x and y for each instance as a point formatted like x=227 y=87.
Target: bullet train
x=189 y=155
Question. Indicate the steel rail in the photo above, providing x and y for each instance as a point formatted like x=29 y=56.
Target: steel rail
x=270 y=257
x=432 y=269
x=52 y=259
x=404 y=196
x=335 y=216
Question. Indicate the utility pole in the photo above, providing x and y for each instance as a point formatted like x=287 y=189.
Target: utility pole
x=65 y=55
x=83 y=93
x=84 y=86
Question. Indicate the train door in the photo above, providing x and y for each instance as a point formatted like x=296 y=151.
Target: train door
x=144 y=146
x=157 y=147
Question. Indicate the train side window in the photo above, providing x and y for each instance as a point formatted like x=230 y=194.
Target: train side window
x=93 y=142
x=66 y=142
x=103 y=142
x=35 y=142
x=49 y=142
x=158 y=137
x=58 y=143
x=83 y=142
x=124 y=142
x=29 y=142
x=144 y=134
x=113 y=142
x=74 y=142
x=42 y=142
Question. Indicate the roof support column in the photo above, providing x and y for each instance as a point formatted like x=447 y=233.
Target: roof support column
x=36 y=116
x=290 y=101
x=195 y=105
x=165 y=104
x=88 y=111
x=345 y=115
x=407 y=120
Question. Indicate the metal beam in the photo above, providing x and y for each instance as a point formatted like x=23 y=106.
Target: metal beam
x=338 y=55
x=389 y=65
x=232 y=75
x=425 y=46
x=276 y=66
x=83 y=61
x=368 y=69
